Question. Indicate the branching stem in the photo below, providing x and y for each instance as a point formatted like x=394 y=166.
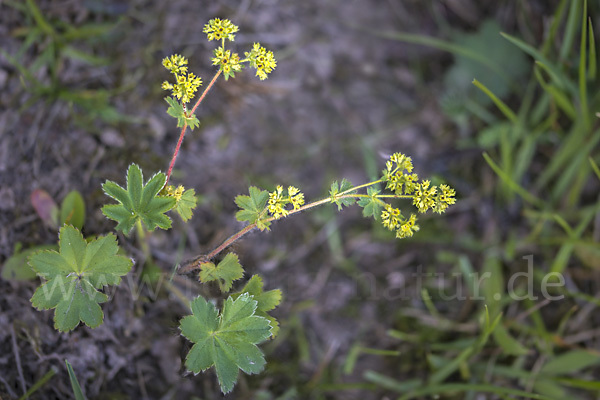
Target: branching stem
x=198 y=261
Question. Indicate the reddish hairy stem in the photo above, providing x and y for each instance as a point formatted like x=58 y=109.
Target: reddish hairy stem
x=182 y=134
x=172 y=163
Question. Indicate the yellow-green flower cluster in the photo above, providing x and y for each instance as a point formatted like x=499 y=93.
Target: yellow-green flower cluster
x=398 y=174
x=261 y=59
x=220 y=29
x=172 y=191
x=278 y=201
x=186 y=84
x=176 y=64
x=436 y=198
x=393 y=220
x=228 y=62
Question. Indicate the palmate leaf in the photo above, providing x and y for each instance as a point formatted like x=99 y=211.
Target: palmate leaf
x=371 y=205
x=176 y=110
x=74 y=274
x=267 y=301
x=186 y=204
x=227 y=271
x=336 y=190
x=253 y=207
x=138 y=201
x=227 y=340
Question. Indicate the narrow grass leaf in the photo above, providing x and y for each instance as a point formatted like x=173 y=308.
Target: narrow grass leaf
x=513 y=185
x=39 y=18
x=583 y=100
x=560 y=98
x=591 y=74
x=570 y=362
x=77 y=392
x=570 y=30
x=594 y=167
x=453 y=388
x=560 y=78
x=508 y=113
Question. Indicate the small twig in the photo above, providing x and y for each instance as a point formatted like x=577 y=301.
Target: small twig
x=195 y=263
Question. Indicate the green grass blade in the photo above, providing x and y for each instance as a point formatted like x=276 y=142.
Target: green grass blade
x=575 y=166
x=570 y=30
x=77 y=392
x=432 y=390
x=559 y=97
x=508 y=113
x=570 y=362
x=582 y=70
x=39 y=383
x=512 y=184
x=592 y=48
x=555 y=72
x=391 y=383
x=556 y=22
x=594 y=166
x=39 y=18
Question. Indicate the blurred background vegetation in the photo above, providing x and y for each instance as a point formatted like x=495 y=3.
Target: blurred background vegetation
x=497 y=299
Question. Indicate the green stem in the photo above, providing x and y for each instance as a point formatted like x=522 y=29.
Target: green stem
x=360 y=187
x=141 y=234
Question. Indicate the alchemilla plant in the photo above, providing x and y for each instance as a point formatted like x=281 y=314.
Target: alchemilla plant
x=225 y=337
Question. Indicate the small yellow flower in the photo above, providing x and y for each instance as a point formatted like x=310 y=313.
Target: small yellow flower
x=390 y=217
x=261 y=59
x=398 y=174
x=186 y=84
x=408 y=227
x=176 y=64
x=296 y=197
x=220 y=29
x=227 y=61
x=444 y=198
x=424 y=196
x=277 y=203
x=171 y=191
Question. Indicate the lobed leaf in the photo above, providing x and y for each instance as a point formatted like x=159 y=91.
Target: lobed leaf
x=138 y=202
x=227 y=271
x=227 y=341
x=337 y=189
x=74 y=274
x=266 y=301
x=371 y=205
x=176 y=110
x=186 y=204
x=253 y=207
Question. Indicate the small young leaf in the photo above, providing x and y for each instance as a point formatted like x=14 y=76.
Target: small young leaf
x=253 y=207
x=45 y=207
x=176 y=110
x=72 y=210
x=227 y=271
x=186 y=204
x=74 y=274
x=138 y=202
x=267 y=301
x=371 y=205
x=16 y=268
x=227 y=341
x=335 y=190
